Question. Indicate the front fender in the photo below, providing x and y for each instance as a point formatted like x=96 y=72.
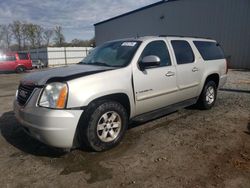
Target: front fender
x=84 y=90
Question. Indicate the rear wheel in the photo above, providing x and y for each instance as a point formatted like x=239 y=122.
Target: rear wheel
x=208 y=95
x=20 y=69
x=103 y=125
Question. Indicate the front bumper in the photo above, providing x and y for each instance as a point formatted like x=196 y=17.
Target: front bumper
x=53 y=127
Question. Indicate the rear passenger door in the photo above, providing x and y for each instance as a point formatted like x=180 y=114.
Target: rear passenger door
x=155 y=87
x=188 y=69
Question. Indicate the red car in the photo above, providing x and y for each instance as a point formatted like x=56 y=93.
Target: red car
x=15 y=61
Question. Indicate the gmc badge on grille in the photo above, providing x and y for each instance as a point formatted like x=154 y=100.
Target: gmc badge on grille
x=23 y=93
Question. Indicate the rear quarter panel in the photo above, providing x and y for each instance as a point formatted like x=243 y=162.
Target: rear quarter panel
x=23 y=62
x=214 y=67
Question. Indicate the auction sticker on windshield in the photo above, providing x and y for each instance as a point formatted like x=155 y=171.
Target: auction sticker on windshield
x=129 y=44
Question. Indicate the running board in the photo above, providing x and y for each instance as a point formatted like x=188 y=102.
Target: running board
x=164 y=111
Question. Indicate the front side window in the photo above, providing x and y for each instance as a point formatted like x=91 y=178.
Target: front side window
x=209 y=50
x=183 y=52
x=113 y=54
x=159 y=49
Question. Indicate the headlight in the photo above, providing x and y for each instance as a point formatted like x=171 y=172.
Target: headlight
x=54 y=95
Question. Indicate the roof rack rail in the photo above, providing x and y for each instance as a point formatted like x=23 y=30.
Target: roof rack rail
x=184 y=36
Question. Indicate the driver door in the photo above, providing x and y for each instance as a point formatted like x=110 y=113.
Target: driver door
x=155 y=87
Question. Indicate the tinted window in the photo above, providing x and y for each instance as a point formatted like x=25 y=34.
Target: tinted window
x=183 y=51
x=23 y=56
x=157 y=48
x=209 y=50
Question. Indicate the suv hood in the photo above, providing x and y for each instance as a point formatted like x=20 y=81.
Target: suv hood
x=62 y=74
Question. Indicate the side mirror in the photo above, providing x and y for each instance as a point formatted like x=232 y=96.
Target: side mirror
x=149 y=61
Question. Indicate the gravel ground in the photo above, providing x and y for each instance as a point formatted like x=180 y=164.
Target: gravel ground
x=189 y=148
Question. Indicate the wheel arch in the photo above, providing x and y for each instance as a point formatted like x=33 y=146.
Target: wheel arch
x=121 y=98
x=213 y=77
x=20 y=65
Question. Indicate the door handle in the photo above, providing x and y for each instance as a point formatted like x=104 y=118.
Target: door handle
x=195 y=69
x=169 y=73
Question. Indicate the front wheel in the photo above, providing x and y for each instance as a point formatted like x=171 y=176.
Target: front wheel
x=103 y=126
x=20 y=69
x=208 y=96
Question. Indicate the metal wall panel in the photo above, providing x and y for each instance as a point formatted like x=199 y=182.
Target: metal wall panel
x=59 y=56
x=227 y=21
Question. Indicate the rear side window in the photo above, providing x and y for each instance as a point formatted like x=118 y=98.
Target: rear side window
x=7 y=58
x=158 y=48
x=209 y=50
x=23 y=56
x=183 y=52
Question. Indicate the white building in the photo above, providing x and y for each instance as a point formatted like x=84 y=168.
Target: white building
x=58 y=56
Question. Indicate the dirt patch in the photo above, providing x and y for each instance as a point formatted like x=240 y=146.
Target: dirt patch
x=188 y=148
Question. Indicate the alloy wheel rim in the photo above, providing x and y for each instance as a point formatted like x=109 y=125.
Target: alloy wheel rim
x=210 y=95
x=109 y=126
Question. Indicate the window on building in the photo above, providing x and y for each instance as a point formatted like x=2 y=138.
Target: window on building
x=183 y=52
x=157 y=48
x=209 y=50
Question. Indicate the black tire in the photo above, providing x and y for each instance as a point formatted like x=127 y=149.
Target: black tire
x=20 y=69
x=205 y=102
x=90 y=120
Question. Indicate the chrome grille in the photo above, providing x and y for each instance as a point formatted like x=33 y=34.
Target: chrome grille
x=24 y=93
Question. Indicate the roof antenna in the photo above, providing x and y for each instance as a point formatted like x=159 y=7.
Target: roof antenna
x=137 y=36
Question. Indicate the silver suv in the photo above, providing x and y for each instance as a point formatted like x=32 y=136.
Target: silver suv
x=92 y=102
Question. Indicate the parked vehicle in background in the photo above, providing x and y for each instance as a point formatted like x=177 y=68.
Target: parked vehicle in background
x=38 y=64
x=137 y=79
x=15 y=61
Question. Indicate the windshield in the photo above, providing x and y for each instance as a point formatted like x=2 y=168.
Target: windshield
x=113 y=54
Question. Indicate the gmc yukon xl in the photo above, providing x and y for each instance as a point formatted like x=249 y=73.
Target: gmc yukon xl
x=92 y=102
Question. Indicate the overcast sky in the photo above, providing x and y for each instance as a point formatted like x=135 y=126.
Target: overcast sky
x=75 y=16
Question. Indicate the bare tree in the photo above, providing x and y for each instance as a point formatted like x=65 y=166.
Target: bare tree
x=85 y=43
x=5 y=36
x=47 y=35
x=16 y=29
x=30 y=32
x=59 y=38
x=39 y=35
x=1 y=36
x=29 y=35
x=26 y=35
x=76 y=42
